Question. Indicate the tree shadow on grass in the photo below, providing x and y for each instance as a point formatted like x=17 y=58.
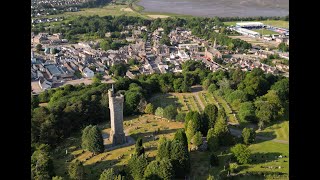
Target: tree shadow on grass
x=164 y=100
x=242 y=167
x=264 y=136
x=257 y=158
x=151 y=136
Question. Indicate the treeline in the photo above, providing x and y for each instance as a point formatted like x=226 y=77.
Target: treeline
x=69 y=109
x=93 y=25
x=257 y=18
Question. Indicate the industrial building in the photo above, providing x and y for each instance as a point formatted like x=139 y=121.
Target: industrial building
x=247 y=32
x=250 y=25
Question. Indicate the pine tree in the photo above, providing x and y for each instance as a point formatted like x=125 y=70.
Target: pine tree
x=181 y=136
x=92 y=139
x=139 y=147
x=76 y=170
x=164 y=147
x=180 y=158
x=211 y=113
x=213 y=143
x=107 y=174
x=197 y=139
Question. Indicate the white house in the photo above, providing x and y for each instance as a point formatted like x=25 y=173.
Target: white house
x=87 y=72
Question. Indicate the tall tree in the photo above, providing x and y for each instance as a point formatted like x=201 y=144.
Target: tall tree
x=188 y=117
x=76 y=170
x=248 y=135
x=197 y=139
x=242 y=153
x=139 y=147
x=213 y=143
x=159 y=169
x=282 y=89
x=164 y=147
x=254 y=84
x=191 y=130
x=181 y=136
x=179 y=158
x=211 y=113
x=92 y=139
x=108 y=174
x=221 y=130
x=41 y=163
x=137 y=166
x=247 y=112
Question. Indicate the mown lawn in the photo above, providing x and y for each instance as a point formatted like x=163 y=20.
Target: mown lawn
x=265 y=31
x=280 y=130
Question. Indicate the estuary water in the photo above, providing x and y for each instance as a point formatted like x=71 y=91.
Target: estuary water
x=221 y=8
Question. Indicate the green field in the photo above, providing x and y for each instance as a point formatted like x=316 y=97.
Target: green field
x=277 y=23
x=264 y=153
x=113 y=10
x=280 y=131
x=265 y=31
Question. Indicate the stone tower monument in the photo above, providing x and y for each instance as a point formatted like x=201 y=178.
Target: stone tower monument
x=117 y=135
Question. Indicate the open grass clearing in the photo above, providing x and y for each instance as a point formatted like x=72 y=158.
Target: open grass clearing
x=265 y=31
x=279 y=131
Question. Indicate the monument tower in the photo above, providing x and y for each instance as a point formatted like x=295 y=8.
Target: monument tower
x=117 y=135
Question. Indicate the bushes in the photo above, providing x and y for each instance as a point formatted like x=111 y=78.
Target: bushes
x=180 y=117
x=159 y=112
x=170 y=112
